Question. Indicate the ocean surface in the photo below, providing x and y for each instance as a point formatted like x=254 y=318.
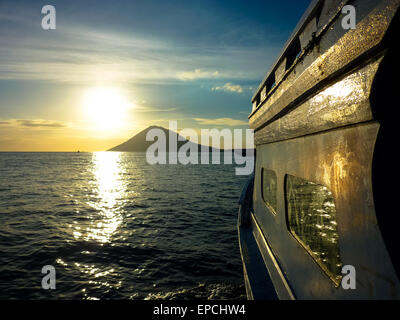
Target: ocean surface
x=115 y=227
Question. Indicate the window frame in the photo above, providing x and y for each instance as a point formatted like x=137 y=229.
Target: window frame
x=268 y=205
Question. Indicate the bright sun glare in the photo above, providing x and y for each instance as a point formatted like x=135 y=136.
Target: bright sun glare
x=106 y=107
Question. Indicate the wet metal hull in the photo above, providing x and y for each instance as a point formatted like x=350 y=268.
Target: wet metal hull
x=319 y=125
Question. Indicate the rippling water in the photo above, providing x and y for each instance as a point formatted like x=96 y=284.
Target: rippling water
x=115 y=227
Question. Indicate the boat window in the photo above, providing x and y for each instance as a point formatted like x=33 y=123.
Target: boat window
x=311 y=216
x=263 y=93
x=269 y=188
x=256 y=101
x=270 y=83
x=254 y=105
x=293 y=52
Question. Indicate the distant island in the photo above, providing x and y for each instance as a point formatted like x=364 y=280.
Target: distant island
x=138 y=142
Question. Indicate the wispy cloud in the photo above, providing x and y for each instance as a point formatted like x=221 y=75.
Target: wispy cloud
x=229 y=87
x=77 y=53
x=42 y=123
x=92 y=57
x=142 y=108
x=197 y=74
x=221 y=122
x=34 y=123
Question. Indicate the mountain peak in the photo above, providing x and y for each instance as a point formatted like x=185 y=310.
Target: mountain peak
x=138 y=142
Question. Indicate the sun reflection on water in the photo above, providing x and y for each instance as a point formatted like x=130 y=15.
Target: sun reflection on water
x=108 y=188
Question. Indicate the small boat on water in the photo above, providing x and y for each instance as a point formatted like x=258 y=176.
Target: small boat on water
x=318 y=219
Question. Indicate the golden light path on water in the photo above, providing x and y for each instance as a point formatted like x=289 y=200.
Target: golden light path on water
x=109 y=188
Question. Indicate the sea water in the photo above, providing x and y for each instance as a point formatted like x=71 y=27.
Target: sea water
x=115 y=227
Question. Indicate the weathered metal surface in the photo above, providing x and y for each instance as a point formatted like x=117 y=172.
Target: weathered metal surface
x=343 y=103
x=280 y=71
x=278 y=278
x=341 y=160
x=324 y=62
x=307 y=34
x=317 y=116
x=304 y=19
x=257 y=280
x=329 y=10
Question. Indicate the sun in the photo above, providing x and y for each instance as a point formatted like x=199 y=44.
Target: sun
x=106 y=107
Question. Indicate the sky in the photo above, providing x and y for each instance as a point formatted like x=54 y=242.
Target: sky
x=112 y=68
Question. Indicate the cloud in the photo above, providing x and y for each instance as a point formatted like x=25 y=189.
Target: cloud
x=141 y=108
x=91 y=51
x=90 y=57
x=4 y=122
x=41 y=123
x=83 y=55
x=229 y=87
x=197 y=74
x=221 y=122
